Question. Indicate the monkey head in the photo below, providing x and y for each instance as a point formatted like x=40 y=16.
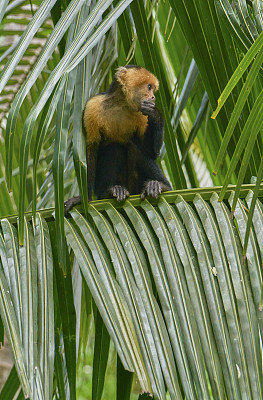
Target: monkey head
x=138 y=85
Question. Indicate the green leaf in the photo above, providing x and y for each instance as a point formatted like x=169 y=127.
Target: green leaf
x=202 y=112
x=101 y=296
x=245 y=20
x=100 y=357
x=28 y=279
x=63 y=114
x=2 y=332
x=124 y=382
x=79 y=142
x=12 y=268
x=186 y=308
x=135 y=295
x=203 y=321
x=257 y=216
x=258 y=10
x=164 y=350
x=130 y=292
x=253 y=253
x=59 y=373
x=231 y=349
x=170 y=287
x=3 y=7
x=231 y=22
x=242 y=292
x=11 y=385
x=9 y=311
x=242 y=68
x=46 y=118
x=46 y=341
x=66 y=316
x=247 y=139
x=243 y=96
x=37 y=20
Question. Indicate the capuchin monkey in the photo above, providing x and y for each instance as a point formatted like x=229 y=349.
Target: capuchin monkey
x=124 y=132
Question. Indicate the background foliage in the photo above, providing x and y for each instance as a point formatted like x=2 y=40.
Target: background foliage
x=161 y=279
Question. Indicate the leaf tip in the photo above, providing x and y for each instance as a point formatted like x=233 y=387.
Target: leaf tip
x=214 y=114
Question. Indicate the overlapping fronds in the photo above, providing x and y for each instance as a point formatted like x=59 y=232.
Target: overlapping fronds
x=180 y=303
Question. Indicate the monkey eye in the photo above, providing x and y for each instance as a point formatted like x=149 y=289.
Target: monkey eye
x=149 y=86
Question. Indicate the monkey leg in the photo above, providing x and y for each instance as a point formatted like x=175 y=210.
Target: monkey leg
x=91 y=157
x=111 y=174
x=70 y=203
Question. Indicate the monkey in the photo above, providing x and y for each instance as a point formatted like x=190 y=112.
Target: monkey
x=124 y=134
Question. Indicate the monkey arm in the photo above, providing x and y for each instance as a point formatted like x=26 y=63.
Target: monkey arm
x=150 y=170
x=153 y=137
x=152 y=176
x=154 y=181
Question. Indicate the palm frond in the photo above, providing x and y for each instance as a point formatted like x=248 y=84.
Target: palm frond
x=171 y=285
x=26 y=304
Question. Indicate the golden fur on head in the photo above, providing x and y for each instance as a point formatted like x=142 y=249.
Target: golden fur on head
x=126 y=76
x=135 y=77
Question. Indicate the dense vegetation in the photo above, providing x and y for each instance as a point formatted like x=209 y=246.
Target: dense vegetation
x=175 y=285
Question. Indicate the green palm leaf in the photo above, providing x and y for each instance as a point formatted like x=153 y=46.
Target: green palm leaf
x=23 y=272
x=192 y=254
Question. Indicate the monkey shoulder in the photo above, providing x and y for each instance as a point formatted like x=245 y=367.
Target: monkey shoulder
x=115 y=121
x=91 y=119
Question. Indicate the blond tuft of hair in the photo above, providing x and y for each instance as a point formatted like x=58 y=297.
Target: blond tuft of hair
x=134 y=77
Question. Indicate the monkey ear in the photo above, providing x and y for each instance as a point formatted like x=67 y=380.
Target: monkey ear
x=123 y=77
x=121 y=74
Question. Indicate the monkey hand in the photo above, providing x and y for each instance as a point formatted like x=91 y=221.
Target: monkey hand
x=148 y=107
x=73 y=201
x=153 y=189
x=120 y=193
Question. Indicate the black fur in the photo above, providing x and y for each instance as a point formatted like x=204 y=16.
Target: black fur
x=133 y=164
x=130 y=168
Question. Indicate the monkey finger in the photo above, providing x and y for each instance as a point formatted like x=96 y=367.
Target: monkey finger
x=148 y=104
x=152 y=189
x=146 y=111
x=147 y=107
x=119 y=192
x=123 y=194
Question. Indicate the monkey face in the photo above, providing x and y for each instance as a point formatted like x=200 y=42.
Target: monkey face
x=143 y=93
x=138 y=85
